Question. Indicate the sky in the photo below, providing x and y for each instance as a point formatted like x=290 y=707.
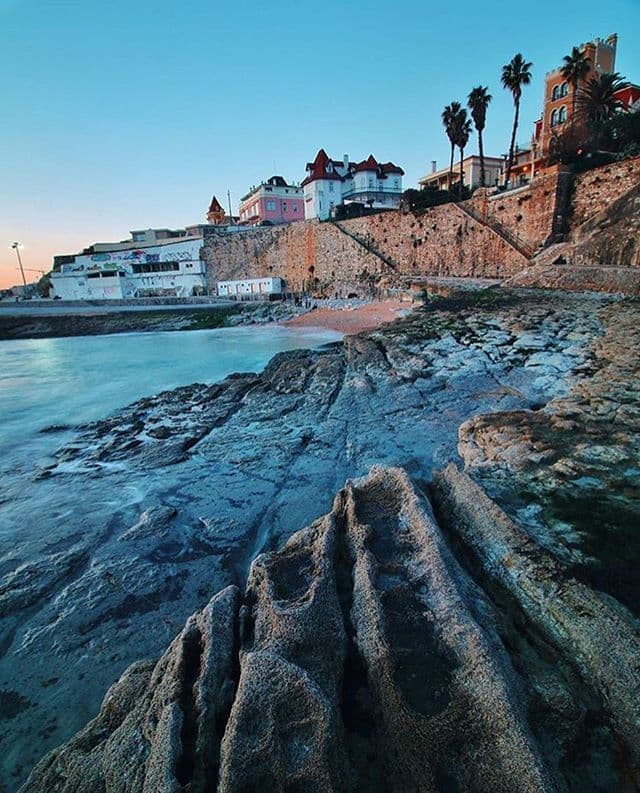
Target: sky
x=122 y=115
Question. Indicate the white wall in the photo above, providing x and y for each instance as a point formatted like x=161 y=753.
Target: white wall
x=252 y=286
x=117 y=274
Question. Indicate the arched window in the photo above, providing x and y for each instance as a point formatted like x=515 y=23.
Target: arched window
x=556 y=92
x=554 y=117
x=562 y=115
x=564 y=89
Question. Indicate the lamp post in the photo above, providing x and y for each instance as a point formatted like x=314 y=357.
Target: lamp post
x=229 y=201
x=16 y=248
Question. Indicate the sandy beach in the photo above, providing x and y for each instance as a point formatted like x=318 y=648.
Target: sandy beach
x=351 y=319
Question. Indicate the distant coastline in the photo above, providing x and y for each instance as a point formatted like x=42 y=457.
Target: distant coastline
x=51 y=320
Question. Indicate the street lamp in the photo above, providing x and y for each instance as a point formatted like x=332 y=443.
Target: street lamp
x=16 y=248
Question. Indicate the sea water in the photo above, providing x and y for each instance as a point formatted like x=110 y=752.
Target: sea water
x=70 y=381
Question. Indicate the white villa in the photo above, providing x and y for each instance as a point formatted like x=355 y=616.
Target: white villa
x=330 y=183
x=168 y=267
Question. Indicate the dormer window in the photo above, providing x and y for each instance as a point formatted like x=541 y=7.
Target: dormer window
x=329 y=167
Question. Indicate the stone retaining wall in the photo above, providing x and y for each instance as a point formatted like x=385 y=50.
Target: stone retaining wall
x=391 y=247
x=321 y=258
x=595 y=190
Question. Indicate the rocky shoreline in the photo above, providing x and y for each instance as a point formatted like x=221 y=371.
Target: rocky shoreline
x=43 y=324
x=487 y=634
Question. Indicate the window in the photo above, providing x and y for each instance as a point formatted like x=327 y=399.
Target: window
x=556 y=93
x=271 y=206
x=331 y=187
x=371 y=181
x=564 y=89
x=554 y=118
x=562 y=115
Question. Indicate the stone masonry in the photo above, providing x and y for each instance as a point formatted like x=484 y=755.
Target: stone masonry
x=595 y=190
x=487 y=236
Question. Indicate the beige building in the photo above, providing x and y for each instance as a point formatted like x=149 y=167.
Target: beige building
x=471 y=170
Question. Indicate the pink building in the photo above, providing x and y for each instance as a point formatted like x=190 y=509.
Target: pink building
x=274 y=201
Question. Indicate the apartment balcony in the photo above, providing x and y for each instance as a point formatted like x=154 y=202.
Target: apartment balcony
x=372 y=196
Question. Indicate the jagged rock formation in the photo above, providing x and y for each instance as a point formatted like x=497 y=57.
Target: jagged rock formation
x=180 y=492
x=365 y=656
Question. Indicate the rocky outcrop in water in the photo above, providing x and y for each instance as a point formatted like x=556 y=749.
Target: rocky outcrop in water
x=160 y=506
x=27 y=321
x=383 y=650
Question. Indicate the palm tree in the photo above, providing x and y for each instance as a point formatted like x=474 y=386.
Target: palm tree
x=478 y=102
x=597 y=102
x=515 y=74
x=463 y=133
x=575 y=68
x=449 y=121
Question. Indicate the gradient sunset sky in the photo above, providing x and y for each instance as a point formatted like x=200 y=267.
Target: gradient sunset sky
x=121 y=115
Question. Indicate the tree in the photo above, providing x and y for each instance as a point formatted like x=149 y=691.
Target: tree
x=463 y=132
x=575 y=68
x=515 y=75
x=478 y=102
x=597 y=101
x=449 y=121
x=598 y=104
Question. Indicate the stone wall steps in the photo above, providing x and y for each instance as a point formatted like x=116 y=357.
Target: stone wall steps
x=519 y=245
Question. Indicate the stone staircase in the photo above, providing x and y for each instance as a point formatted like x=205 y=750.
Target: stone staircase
x=513 y=240
x=366 y=244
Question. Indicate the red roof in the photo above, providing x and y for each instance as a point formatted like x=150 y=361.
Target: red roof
x=370 y=164
x=318 y=168
x=389 y=167
x=215 y=205
x=629 y=95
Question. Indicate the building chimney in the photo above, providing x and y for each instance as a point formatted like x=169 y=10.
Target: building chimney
x=433 y=166
x=345 y=160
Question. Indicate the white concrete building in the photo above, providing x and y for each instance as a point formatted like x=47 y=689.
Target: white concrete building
x=251 y=287
x=168 y=268
x=330 y=183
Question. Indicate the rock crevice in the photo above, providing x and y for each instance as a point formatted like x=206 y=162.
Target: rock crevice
x=370 y=652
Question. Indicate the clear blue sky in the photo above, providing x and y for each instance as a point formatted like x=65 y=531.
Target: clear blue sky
x=121 y=115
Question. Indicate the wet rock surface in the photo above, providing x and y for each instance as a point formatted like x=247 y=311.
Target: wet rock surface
x=370 y=654
x=174 y=497
x=569 y=471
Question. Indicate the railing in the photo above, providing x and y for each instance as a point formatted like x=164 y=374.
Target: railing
x=366 y=243
x=376 y=195
x=514 y=240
